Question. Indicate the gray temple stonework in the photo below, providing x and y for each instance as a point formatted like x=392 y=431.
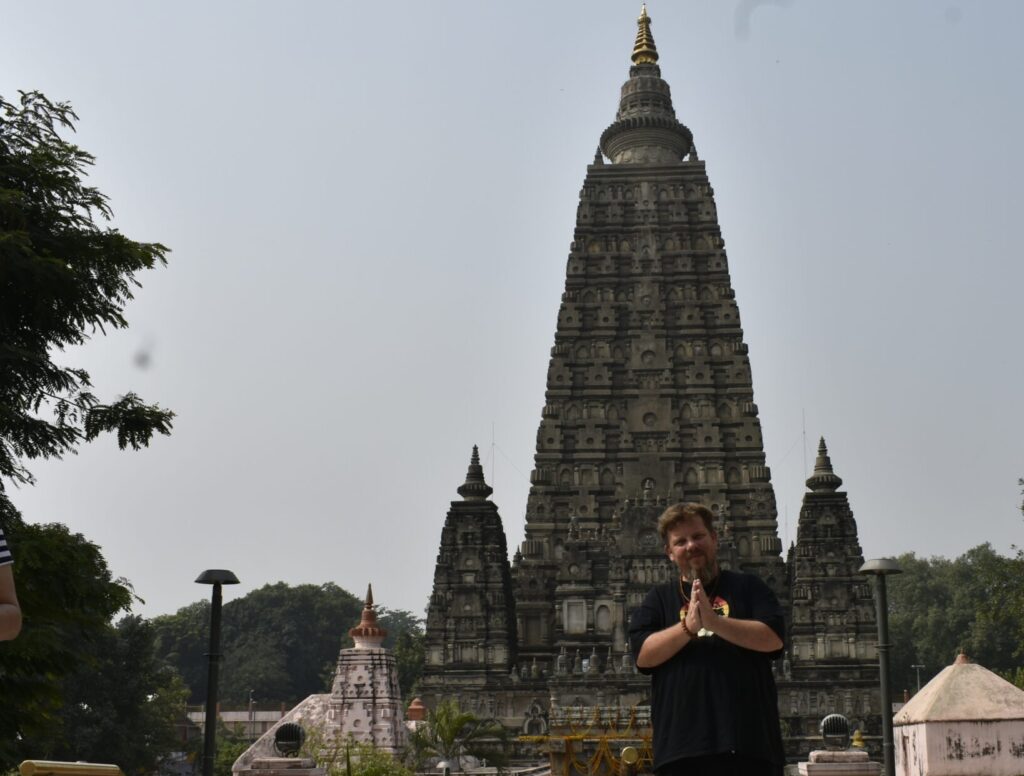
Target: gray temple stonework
x=832 y=662
x=471 y=627
x=649 y=402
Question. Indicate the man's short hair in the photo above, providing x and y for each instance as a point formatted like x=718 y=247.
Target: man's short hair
x=677 y=513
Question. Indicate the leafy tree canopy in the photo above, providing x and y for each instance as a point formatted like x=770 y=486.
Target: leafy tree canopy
x=229 y=748
x=347 y=757
x=62 y=278
x=938 y=607
x=69 y=598
x=280 y=641
x=410 y=654
x=126 y=708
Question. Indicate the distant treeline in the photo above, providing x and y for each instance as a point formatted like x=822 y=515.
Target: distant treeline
x=280 y=643
x=938 y=607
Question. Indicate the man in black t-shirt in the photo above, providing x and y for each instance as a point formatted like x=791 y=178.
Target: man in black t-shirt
x=708 y=640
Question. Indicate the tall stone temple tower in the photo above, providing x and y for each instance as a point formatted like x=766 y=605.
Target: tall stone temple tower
x=649 y=401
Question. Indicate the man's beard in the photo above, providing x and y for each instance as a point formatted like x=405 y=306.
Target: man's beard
x=706 y=572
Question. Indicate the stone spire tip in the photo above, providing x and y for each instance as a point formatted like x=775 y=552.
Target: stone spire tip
x=823 y=480
x=475 y=488
x=645 y=130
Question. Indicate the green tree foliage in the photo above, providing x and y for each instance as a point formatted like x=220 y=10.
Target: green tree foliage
x=1001 y=615
x=182 y=639
x=125 y=709
x=346 y=757
x=406 y=639
x=69 y=598
x=281 y=642
x=458 y=737
x=410 y=653
x=938 y=607
x=229 y=749
x=62 y=278
x=367 y=760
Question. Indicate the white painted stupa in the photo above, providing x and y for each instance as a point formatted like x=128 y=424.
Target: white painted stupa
x=364 y=704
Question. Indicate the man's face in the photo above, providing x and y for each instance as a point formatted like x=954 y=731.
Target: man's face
x=693 y=548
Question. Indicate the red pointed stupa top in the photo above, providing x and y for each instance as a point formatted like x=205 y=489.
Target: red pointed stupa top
x=368 y=633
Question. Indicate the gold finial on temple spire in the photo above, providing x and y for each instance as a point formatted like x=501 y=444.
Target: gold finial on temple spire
x=644 y=51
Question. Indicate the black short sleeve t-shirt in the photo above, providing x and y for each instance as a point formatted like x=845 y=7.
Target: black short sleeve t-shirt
x=713 y=697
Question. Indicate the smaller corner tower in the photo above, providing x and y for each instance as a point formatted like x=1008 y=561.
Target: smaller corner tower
x=471 y=627
x=832 y=664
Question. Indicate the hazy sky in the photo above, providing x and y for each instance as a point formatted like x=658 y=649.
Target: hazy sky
x=370 y=207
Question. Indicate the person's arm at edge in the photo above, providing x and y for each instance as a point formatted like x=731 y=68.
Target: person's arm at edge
x=10 y=612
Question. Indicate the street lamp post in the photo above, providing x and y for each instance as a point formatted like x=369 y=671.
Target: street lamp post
x=917 y=667
x=880 y=568
x=252 y=717
x=217 y=578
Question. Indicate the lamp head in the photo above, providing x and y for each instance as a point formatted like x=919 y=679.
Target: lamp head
x=217 y=577
x=880 y=567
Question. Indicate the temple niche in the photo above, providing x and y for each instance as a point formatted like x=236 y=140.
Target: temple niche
x=649 y=401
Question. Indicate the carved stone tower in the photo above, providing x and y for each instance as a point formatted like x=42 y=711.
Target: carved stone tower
x=832 y=664
x=471 y=635
x=649 y=397
x=649 y=402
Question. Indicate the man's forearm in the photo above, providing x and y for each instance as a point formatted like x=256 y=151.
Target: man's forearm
x=660 y=646
x=750 y=634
